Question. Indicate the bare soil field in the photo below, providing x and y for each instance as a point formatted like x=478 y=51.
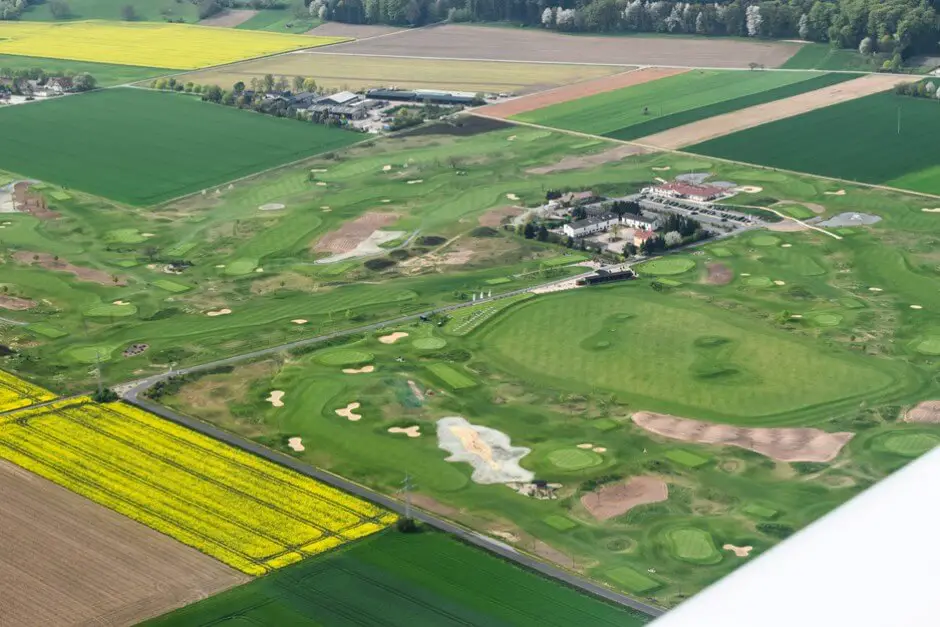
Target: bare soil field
x=494 y=217
x=728 y=123
x=229 y=18
x=13 y=303
x=719 y=274
x=50 y=262
x=65 y=560
x=589 y=161
x=353 y=233
x=629 y=78
x=455 y=41
x=782 y=444
x=927 y=411
x=616 y=499
x=356 y=31
x=342 y=71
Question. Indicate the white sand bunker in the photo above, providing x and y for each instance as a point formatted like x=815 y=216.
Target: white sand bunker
x=841 y=192
x=740 y=551
x=218 y=312
x=275 y=398
x=318 y=170
x=512 y=196
x=220 y=265
x=786 y=245
x=411 y=432
x=148 y=234
x=875 y=289
x=745 y=274
x=663 y=168
x=321 y=184
x=415 y=181
x=391 y=338
x=796 y=316
x=585 y=445
x=916 y=307
x=259 y=269
x=299 y=321
x=271 y=206
x=386 y=200
x=348 y=413
x=599 y=449
x=780 y=283
x=749 y=189
x=416 y=390
x=121 y=303
x=386 y=167
x=933 y=210
x=362 y=370
x=511 y=138
x=295 y=443
x=489 y=451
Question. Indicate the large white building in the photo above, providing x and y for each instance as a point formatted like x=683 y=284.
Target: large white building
x=639 y=222
x=589 y=226
x=697 y=193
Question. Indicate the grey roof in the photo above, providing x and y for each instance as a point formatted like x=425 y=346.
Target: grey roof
x=580 y=224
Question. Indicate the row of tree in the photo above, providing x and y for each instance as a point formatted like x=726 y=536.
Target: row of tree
x=920 y=89
x=21 y=80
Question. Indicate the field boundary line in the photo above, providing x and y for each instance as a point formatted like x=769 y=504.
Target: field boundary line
x=684 y=153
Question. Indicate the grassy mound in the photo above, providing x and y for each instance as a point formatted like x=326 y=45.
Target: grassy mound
x=429 y=343
x=667 y=265
x=344 y=357
x=574 y=458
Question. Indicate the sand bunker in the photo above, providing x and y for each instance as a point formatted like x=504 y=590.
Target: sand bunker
x=120 y=303
x=411 y=432
x=511 y=138
x=14 y=303
x=296 y=444
x=616 y=499
x=512 y=197
x=318 y=170
x=416 y=390
x=386 y=200
x=299 y=321
x=415 y=181
x=664 y=168
x=357 y=234
x=780 y=283
x=275 y=398
x=916 y=307
x=362 y=370
x=599 y=449
x=875 y=289
x=219 y=312
x=585 y=445
x=926 y=412
x=786 y=245
x=841 y=192
x=348 y=413
x=749 y=189
x=489 y=451
x=934 y=210
x=740 y=551
x=386 y=168
x=391 y=338
x=781 y=444
x=271 y=206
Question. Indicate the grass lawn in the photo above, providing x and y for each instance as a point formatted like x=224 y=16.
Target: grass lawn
x=760 y=511
x=910 y=444
x=666 y=265
x=827 y=142
x=105 y=73
x=418 y=579
x=453 y=378
x=97 y=132
x=670 y=101
x=814 y=56
x=686 y=458
x=631 y=579
x=172 y=286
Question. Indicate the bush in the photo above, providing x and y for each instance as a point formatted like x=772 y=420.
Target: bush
x=407 y=525
x=431 y=240
x=378 y=265
x=484 y=231
x=106 y=395
x=777 y=530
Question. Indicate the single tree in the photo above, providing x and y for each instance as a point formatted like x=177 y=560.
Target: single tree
x=128 y=13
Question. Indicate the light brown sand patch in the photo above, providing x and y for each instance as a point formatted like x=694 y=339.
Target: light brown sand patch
x=299 y=321
x=348 y=413
x=411 y=432
x=512 y=196
x=271 y=206
x=353 y=233
x=779 y=282
x=363 y=370
x=415 y=181
x=473 y=443
x=749 y=189
x=616 y=499
x=728 y=123
x=933 y=210
x=574 y=92
x=218 y=312
x=589 y=161
x=296 y=444
x=50 y=262
x=321 y=183
x=391 y=338
x=599 y=449
x=787 y=226
x=13 y=303
x=275 y=398
x=386 y=200
x=505 y=535
x=841 y=192
x=740 y=551
x=926 y=412
x=585 y=445
x=120 y=303
x=875 y=289
x=786 y=245
x=782 y=444
x=916 y=307
x=416 y=390
x=495 y=217
x=386 y=167
x=719 y=274
x=318 y=170
x=664 y=168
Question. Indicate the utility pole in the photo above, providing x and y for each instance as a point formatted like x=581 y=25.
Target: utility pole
x=98 y=370
x=406 y=488
x=899 y=119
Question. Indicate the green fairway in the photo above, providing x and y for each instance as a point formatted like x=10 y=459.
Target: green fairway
x=404 y=580
x=561 y=523
x=96 y=132
x=666 y=266
x=144 y=10
x=108 y=310
x=172 y=286
x=465 y=320
x=47 y=330
x=672 y=101
x=693 y=545
x=827 y=142
x=105 y=74
x=429 y=343
x=453 y=378
x=686 y=458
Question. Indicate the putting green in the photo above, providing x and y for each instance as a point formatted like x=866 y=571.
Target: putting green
x=46 y=330
x=561 y=523
x=171 y=286
x=827 y=319
x=90 y=354
x=753 y=509
x=930 y=346
x=721 y=251
x=666 y=266
x=910 y=444
x=574 y=458
x=670 y=282
x=109 y=310
x=429 y=343
x=631 y=579
x=57 y=195
x=344 y=357
x=240 y=267
x=764 y=240
x=760 y=281
x=125 y=236
x=692 y=545
x=690 y=460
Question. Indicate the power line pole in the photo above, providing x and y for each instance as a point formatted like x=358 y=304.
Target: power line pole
x=98 y=371
x=899 y=119
x=406 y=488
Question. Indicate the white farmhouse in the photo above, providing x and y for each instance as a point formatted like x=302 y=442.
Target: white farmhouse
x=589 y=226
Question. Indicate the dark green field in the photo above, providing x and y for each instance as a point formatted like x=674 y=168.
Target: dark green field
x=105 y=73
x=830 y=142
x=407 y=580
x=145 y=10
x=142 y=147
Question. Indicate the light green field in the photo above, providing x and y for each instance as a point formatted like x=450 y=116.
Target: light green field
x=693 y=545
x=451 y=377
x=172 y=286
x=911 y=444
x=686 y=458
x=632 y=580
x=760 y=511
x=429 y=343
x=561 y=523
x=666 y=266
x=105 y=74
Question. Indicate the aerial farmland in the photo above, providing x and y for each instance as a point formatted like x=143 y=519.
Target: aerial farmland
x=269 y=364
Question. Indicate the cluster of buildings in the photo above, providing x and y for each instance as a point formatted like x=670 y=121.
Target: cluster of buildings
x=28 y=89
x=685 y=191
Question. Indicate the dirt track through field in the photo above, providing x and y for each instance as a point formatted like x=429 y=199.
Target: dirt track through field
x=82 y=273
x=65 y=560
x=229 y=18
x=782 y=444
x=512 y=44
x=578 y=90
x=721 y=125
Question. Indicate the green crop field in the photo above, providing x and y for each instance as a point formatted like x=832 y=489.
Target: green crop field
x=105 y=74
x=144 y=10
x=279 y=21
x=662 y=104
x=94 y=134
x=396 y=579
x=825 y=57
x=827 y=142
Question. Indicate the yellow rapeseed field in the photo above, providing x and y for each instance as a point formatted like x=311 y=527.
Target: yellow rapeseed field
x=16 y=393
x=148 y=44
x=252 y=514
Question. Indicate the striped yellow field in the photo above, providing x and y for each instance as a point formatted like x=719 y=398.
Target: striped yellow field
x=251 y=514
x=148 y=44
x=16 y=393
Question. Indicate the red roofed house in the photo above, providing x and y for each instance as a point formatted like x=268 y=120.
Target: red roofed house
x=698 y=193
x=640 y=236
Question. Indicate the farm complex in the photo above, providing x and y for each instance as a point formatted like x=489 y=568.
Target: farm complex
x=311 y=322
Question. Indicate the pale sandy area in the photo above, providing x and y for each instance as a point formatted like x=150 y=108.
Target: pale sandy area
x=348 y=413
x=416 y=390
x=120 y=303
x=740 y=551
x=616 y=499
x=218 y=312
x=296 y=444
x=489 y=451
x=275 y=398
x=728 y=123
x=841 y=192
x=299 y=321
x=926 y=412
x=391 y=338
x=363 y=370
x=411 y=432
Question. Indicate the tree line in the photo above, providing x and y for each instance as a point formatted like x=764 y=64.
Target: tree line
x=19 y=79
